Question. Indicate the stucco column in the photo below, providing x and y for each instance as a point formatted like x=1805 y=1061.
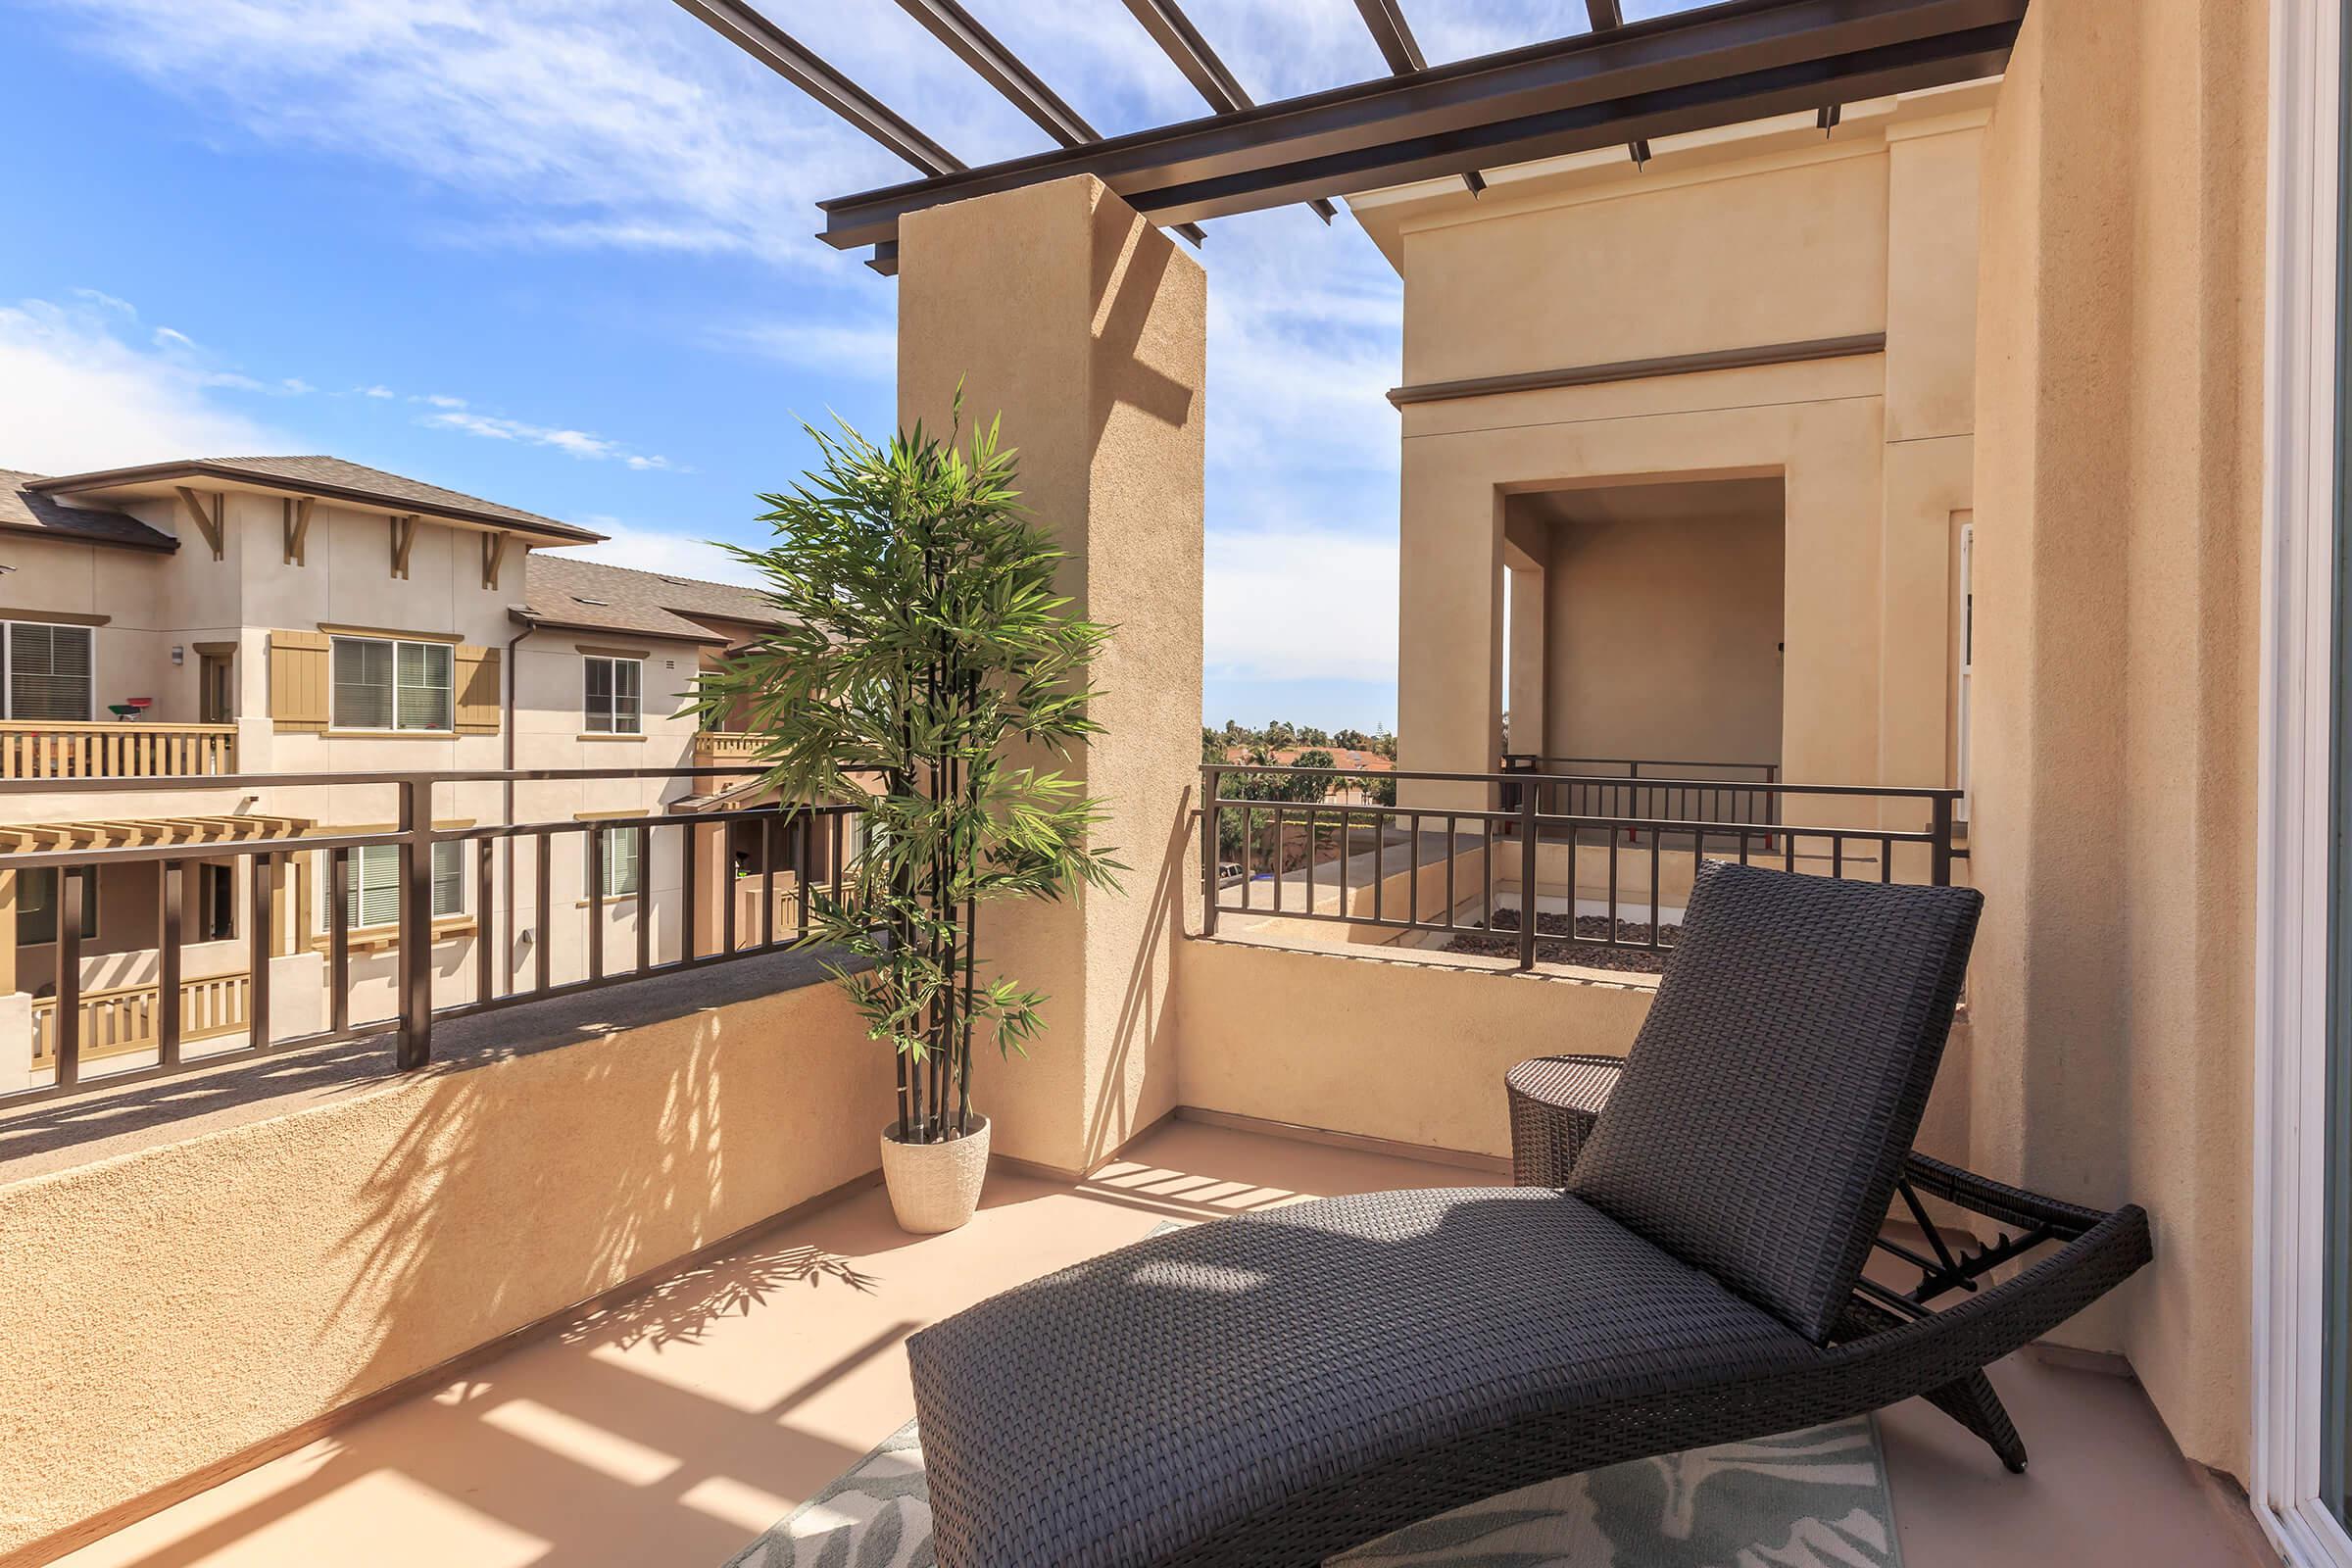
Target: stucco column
x=1085 y=328
x=2118 y=520
x=1449 y=655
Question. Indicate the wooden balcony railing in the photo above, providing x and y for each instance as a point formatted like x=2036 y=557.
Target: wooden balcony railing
x=118 y=1022
x=712 y=747
x=45 y=749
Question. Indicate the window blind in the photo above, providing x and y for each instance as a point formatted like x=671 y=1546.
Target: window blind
x=375 y=883
x=48 y=671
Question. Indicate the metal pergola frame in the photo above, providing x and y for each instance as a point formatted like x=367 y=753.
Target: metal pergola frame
x=1622 y=83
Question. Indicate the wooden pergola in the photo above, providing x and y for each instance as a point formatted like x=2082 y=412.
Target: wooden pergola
x=1620 y=83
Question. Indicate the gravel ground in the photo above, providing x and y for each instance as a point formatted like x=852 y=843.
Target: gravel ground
x=1590 y=929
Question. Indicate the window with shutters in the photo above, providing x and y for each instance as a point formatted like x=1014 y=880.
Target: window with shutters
x=383 y=683
x=622 y=870
x=374 y=872
x=48 y=671
x=37 y=903
x=615 y=696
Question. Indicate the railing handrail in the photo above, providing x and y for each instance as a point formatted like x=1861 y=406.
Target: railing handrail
x=1919 y=791
x=1643 y=762
x=125 y=726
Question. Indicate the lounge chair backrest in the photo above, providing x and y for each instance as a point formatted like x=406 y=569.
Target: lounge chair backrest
x=1775 y=1086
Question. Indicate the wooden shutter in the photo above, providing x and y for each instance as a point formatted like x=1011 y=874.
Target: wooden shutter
x=298 y=679
x=478 y=691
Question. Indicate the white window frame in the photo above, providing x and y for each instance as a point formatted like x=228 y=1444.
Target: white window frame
x=611 y=835
x=447 y=651
x=2295 y=785
x=8 y=671
x=612 y=724
x=453 y=848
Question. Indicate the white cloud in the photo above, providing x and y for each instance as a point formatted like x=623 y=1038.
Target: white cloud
x=374 y=391
x=455 y=416
x=1301 y=603
x=75 y=397
x=656 y=550
x=440 y=400
x=109 y=302
x=171 y=337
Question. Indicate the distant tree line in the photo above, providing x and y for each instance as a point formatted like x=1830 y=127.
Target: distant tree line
x=1280 y=735
x=1309 y=783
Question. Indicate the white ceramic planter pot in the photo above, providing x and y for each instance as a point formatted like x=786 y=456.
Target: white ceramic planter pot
x=935 y=1187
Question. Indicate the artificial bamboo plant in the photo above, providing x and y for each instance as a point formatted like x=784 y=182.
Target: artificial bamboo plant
x=921 y=652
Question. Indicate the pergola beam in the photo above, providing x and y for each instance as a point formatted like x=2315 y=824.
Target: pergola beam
x=1606 y=16
x=997 y=65
x=783 y=54
x=1394 y=37
x=1190 y=53
x=1730 y=63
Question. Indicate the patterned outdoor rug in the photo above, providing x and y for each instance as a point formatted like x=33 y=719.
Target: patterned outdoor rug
x=1808 y=1499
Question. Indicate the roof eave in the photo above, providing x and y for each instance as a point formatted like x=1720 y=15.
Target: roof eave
x=73 y=483
x=162 y=544
x=537 y=622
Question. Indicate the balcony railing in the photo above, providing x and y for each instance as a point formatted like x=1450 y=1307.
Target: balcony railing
x=128 y=1019
x=1841 y=830
x=42 y=749
x=1628 y=786
x=761 y=912
x=724 y=746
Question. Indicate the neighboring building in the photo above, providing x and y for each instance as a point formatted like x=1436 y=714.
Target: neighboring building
x=309 y=615
x=1707 y=424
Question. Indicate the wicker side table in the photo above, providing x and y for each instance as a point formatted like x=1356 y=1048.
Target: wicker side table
x=1555 y=1101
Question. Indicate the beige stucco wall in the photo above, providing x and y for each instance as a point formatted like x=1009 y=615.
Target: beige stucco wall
x=1413 y=1046
x=1772 y=234
x=1396 y=1045
x=164 y=1310
x=2118 y=516
x=1086 y=329
x=1664 y=639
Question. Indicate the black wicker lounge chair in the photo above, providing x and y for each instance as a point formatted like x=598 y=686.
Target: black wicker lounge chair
x=1683 y=1267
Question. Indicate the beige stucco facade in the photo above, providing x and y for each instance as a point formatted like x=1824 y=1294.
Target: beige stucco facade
x=2117 y=527
x=1765 y=235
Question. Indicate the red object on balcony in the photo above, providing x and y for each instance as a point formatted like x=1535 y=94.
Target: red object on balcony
x=138 y=701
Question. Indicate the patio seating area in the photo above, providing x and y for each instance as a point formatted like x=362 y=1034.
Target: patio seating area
x=674 y=1428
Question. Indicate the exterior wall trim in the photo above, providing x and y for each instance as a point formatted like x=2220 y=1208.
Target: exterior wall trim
x=334 y=629
x=2295 y=783
x=1739 y=359
x=55 y=618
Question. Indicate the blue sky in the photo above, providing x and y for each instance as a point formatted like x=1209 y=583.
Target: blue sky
x=559 y=253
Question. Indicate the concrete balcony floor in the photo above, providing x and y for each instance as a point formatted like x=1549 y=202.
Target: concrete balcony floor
x=673 y=1429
